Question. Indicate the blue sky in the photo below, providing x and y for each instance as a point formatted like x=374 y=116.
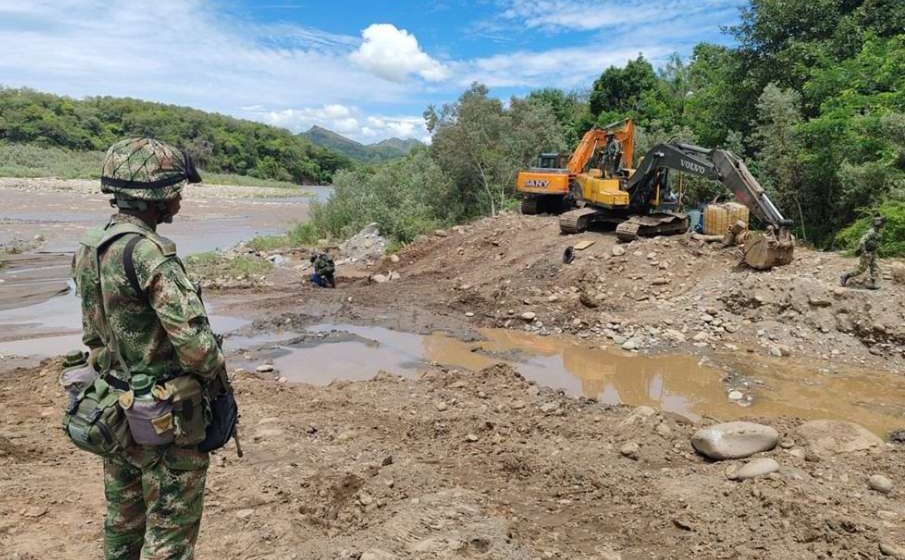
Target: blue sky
x=366 y=69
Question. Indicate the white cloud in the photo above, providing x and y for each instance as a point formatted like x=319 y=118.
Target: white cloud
x=349 y=121
x=184 y=52
x=189 y=52
x=566 y=67
x=584 y=15
x=394 y=55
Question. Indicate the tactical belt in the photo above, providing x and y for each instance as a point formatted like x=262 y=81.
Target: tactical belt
x=121 y=385
x=116 y=383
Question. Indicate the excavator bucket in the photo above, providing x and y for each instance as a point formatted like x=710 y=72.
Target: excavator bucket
x=764 y=250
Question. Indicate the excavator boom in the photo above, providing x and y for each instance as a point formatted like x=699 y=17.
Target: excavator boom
x=596 y=138
x=761 y=250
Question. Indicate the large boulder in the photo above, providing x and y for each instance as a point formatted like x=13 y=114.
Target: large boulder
x=829 y=437
x=734 y=440
x=366 y=244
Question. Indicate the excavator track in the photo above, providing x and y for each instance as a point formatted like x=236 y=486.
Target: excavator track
x=577 y=221
x=665 y=223
x=529 y=205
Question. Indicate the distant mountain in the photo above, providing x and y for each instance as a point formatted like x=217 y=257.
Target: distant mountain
x=384 y=150
x=404 y=146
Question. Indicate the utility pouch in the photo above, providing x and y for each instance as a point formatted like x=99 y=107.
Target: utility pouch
x=95 y=422
x=191 y=412
x=224 y=414
x=148 y=411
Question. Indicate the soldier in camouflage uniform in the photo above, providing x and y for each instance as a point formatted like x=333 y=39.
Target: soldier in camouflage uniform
x=323 y=270
x=148 y=318
x=867 y=254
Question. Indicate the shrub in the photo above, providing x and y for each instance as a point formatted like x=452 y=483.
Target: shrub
x=893 y=237
x=213 y=264
x=404 y=197
x=304 y=234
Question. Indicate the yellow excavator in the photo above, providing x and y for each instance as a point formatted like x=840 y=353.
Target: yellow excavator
x=551 y=187
x=640 y=202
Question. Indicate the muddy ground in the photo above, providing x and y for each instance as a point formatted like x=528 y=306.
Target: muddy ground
x=463 y=459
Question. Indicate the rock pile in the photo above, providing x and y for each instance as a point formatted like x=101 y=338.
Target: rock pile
x=367 y=244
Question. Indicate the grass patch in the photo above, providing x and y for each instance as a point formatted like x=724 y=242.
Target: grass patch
x=29 y=160
x=215 y=265
x=300 y=235
x=26 y=160
x=212 y=178
x=305 y=234
x=268 y=242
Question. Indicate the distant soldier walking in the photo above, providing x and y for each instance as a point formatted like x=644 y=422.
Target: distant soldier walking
x=156 y=355
x=867 y=253
x=324 y=269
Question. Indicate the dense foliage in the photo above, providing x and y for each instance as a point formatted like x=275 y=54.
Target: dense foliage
x=893 y=230
x=481 y=145
x=218 y=143
x=813 y=97
x=405 y=197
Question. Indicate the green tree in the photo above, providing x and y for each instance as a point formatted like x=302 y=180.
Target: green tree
x=404 y=197
x=568 y=108
x=779 y=147
x=481 y=145
x=621 y=89
x=718 y=94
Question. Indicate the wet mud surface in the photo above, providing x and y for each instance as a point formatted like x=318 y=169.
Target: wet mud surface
x=426 y=418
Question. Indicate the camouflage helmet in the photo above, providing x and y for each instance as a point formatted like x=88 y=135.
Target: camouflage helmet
x=146 y=169
x=879 y=220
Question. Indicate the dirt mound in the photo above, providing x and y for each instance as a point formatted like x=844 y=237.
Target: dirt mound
x=652 y=294
x=456 y=465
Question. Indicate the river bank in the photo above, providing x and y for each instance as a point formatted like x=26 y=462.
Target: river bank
x=474 y=397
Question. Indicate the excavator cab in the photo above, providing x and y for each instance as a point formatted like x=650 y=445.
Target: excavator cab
x=550 y=160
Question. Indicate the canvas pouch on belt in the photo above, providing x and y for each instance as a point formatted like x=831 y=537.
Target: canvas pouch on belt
x=95 y=422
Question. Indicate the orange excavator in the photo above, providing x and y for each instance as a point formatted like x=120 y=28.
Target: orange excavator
x=550 y=187
x=600 y=186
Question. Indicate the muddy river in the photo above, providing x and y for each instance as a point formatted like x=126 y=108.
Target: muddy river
x=40 y=317
x=39 y=314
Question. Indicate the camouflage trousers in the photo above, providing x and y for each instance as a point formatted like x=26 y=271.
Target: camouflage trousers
x=154 y=502
x=867 y=263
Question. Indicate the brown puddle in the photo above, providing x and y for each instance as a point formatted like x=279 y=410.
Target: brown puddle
x=677 y=383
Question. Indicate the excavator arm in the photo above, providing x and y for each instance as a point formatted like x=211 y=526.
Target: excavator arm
x=718 y=165
x=597 y=138
x=682 y=157
x=761 y=250
x=734 y=174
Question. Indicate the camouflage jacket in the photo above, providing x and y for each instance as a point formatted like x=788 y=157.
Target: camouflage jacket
x=323 y=265
x=869 y=242
x=163 y=331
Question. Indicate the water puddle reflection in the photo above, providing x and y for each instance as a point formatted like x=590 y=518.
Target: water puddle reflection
x=677 y=383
